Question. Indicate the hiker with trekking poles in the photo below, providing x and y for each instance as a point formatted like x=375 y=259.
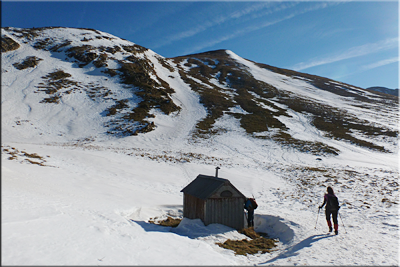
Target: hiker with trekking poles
x=332 y=208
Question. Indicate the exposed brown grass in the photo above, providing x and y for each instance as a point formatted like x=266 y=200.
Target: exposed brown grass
x=244 y=247
x=23 y=156
x=56 y=84
x=101 y=61
x=35 y=162
x=154 y=93
x=83 y=54
x=169 y=222
x=31 y=155
x=28 y=62
x=58 y=47
x=135 y=49
x=257 y=244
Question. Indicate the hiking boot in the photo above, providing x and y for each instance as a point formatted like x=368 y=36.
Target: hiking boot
x=336 y=232
x=330 y=229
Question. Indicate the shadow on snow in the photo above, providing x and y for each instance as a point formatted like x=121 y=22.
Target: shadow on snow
x=192 y=228
x=293 y=250
x=274 y=226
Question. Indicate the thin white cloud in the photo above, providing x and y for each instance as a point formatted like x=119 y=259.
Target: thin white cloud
x=357 y=51
x=380 y=63
x=211 y=23
x=257 y=26
x=249 y=10
x=233 y=35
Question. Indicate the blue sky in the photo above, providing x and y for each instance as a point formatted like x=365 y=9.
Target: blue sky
x=356 y=42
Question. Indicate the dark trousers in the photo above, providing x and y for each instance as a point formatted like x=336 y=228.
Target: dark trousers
x=334 y=217
x=250 y=218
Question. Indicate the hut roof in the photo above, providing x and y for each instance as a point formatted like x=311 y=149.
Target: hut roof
x=204 y=186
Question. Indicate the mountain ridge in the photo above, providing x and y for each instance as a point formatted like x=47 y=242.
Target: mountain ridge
x=384 y=90
x=258 y=96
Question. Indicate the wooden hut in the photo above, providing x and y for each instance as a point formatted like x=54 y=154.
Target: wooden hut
x=214 y=200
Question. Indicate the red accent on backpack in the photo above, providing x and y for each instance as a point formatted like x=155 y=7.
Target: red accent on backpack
x=253 y=203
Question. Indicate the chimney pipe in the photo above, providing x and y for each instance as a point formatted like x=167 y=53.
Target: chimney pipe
x=216 y=171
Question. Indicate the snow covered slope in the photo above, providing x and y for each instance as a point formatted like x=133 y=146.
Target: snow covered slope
x=99 y=135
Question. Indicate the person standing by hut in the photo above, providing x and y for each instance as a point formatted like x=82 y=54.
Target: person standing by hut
x=250 y=205
x=332 y=207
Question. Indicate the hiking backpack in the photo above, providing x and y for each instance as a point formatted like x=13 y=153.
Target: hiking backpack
x=253 y=202
x=333 y=203
x=250 y=204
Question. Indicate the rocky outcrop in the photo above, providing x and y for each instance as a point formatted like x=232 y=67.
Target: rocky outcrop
x=8 y=44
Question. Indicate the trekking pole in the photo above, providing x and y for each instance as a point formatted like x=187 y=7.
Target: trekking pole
x=317 y=219
x=342 y=221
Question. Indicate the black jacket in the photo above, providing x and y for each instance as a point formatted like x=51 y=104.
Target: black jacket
x=331 y=201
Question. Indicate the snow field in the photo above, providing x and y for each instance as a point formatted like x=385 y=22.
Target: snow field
x=91 y=207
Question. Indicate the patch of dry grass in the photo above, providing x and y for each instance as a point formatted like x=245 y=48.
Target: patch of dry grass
x=258 y=243
x=28 y=62
x=23 y=156
x=250 y=232
x=169 y=222
x=56 y=85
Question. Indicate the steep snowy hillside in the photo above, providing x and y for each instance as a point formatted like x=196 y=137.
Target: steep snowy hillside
x=99 y=135
x=271 y=100
x=110 y=85
x=117 y=88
